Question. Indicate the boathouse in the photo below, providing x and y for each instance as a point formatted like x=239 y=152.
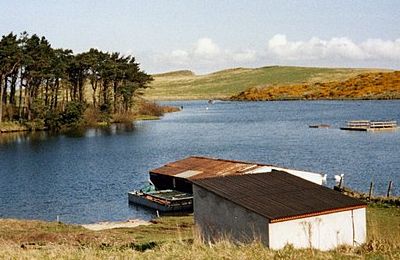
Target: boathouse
x=277 y=209
x=179 y=175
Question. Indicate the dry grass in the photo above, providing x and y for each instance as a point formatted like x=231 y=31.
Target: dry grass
x=14 y=251
x=384 y=224
x=40 y=233
x=11 y=126
x=196 y=250
x=127 y=117
x=148 y=108
x=173 y=238
x=91 y=116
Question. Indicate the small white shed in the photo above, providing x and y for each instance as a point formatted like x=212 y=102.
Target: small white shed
x=277 y=209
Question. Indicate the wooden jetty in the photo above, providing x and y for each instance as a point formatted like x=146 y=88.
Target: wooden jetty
x=367 y=125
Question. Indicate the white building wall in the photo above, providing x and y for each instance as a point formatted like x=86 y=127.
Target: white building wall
x=218 y=218
x=322 y=232
x=316 y=178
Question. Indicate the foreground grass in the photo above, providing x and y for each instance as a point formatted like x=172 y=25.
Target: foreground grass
x=183 y=250
x=224 y=84
x=174 y=238
x=384 y=223
x=33 y=233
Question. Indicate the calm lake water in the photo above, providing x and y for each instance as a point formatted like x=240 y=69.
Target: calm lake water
x=84 y=177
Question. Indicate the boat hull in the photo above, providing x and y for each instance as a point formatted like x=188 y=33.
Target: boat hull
x=177 y=206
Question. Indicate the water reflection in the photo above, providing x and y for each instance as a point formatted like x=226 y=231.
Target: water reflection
x=22 y=137
x=114 y=129
x=77 y=132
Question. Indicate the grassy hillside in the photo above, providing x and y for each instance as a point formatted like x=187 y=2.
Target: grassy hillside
x=377 y=85
x=224 y=84
x=174 y=238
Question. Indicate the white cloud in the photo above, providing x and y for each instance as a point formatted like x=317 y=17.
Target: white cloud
x=206 y=48
x=343 y=48
x=206 y=56
x=377 y=48
x=336 y=49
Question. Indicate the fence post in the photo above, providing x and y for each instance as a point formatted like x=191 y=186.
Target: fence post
x=389 y=189
x=341 y=182
x=371 y=188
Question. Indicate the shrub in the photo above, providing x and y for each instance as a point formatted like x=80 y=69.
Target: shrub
x=53 y=120
x=73 y=113
x=91 y=116
x=126 y=117
x=71 y=116
x=38 y=109
x=150 y=109
x=36 y=124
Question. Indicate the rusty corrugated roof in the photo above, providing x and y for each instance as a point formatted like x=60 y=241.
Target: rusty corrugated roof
x=279 y=197
x=205 y=167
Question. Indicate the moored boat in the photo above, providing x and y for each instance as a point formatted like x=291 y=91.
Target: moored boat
x=163 y=200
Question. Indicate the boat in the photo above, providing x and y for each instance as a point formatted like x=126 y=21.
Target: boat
x=367 y=125
x=162 y=200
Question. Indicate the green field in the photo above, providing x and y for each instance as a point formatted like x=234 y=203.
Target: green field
x=223 y=84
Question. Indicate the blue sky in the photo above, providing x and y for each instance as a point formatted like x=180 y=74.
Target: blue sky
x=205 y=36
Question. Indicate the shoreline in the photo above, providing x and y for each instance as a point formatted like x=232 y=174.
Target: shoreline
x=24 y=129
x=104 y=225
x=17 y=127
x=376 y=201
x=20 y=128
x=311 y=99
x=228 y=98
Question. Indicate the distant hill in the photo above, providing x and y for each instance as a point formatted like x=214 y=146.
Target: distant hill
x=179 y=85
x=372 y=85
x=178 y=73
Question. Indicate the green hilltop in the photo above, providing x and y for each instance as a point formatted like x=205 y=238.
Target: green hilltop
x=184 y=84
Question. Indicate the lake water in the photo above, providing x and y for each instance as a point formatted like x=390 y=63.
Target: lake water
x=84 y=177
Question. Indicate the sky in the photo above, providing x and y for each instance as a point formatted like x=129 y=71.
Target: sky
x=205 y=36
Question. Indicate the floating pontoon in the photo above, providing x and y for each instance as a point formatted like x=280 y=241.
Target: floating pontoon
x=367 y=125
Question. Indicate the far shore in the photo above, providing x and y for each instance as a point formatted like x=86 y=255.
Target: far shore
x=14 y=127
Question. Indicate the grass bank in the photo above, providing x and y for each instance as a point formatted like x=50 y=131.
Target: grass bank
x=182 y=85
x=174 y=238
x=143 y=110
x=7 y=127
x=15 y=126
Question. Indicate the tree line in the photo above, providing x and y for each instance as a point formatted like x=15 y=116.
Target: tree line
x=38 y=82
